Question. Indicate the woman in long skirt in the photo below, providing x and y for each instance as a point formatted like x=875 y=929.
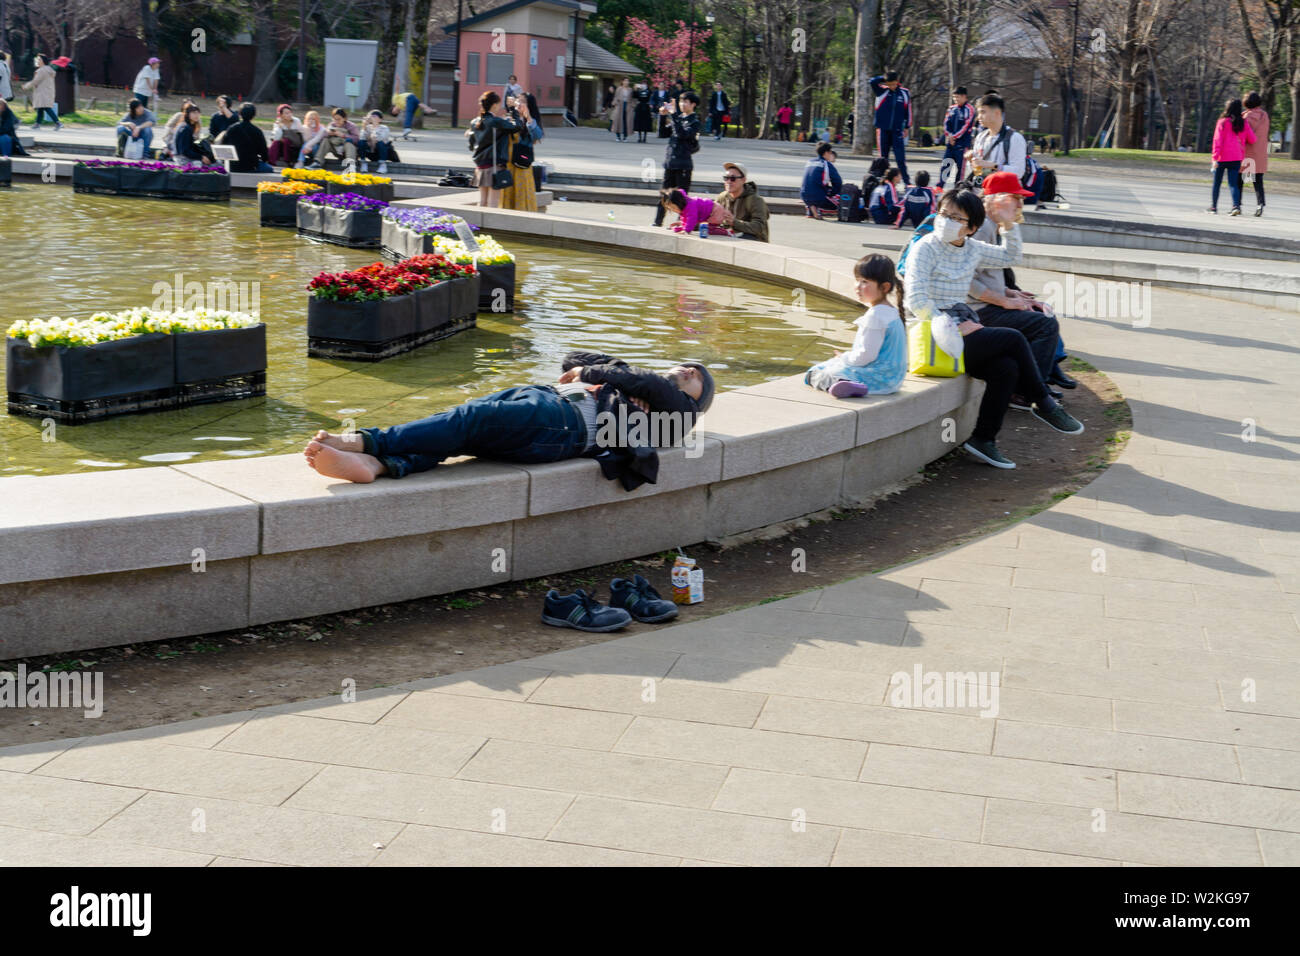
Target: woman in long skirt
x=643 y=118
x=621 y=117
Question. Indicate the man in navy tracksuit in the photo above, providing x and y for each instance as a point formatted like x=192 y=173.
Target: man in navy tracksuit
x=893 y=119
x=958 y=133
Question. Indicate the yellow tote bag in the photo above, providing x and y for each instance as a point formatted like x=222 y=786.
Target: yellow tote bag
x=925 y=356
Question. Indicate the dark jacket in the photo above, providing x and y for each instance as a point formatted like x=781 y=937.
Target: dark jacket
x=219 y=124
x=619 y=383
x=685 y=134
x=481 y=140
x=184 y=145
x=750 y=212
x=249 y=143
x=713 y=101
x=9 y=127
x=642 y=116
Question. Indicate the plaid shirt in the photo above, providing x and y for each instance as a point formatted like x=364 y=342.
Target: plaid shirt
x=939 y=274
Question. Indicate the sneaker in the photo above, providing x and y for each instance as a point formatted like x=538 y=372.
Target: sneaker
x=365 y=166
x=1236 y=211
x=846 y=389
x=1020 y=403
x=382 y=168
x=640 y=600
x=314 y=166
x=582 y=612
x=1059 y=419
x=987 y=452
x=1059 y=377
x=1259 y=211
x=59 y=126
x=1212 y=211
x=406 y=133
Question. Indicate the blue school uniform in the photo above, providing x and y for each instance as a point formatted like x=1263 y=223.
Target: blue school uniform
x=918 y=202
x=884 y=206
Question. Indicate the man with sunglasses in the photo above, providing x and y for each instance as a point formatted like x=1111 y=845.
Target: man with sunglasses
x=746 y=212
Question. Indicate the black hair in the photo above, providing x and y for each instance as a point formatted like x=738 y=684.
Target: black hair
x=880 y=269
x=690 y=95
x=878 y=166
x=923 y=178
x=990 y=92
x=992 y=99
x=961 y=90
x=969 y=203
x=489 y=100
x=130 y=107
x=247 y=112
x=674 y=196
x=891 y=173
x=1233 y=112
x=824 y=148
x=339 y=111
x=891 y=76
x=1253 y=100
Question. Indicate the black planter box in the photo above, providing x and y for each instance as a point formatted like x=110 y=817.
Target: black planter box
x=433 y=307
x=465 y=295
x=382 y=191
x=379 y=329
x=277 y=209
x=6 y=172
x=150 y=183
x=76 y=384
x=206 y=187
x=402 y=243
x=344 y=227
x=493 y=277
x=219 y=354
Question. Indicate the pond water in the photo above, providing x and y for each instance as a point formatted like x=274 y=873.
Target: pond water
x=69 y=255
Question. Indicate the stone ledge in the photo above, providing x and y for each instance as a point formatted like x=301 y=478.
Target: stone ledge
x=67 y=525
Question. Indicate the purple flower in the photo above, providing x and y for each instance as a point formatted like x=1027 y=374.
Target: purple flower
x=423 y=220
x=352 y=201
x=152 y=166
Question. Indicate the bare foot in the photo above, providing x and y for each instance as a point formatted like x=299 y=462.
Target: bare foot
x=348 y=465
x=349 y=441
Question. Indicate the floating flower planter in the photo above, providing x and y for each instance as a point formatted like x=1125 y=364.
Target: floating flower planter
x=420 y=230
x=151 y=180
x=134 y=361
x=361 y=184
x=277 y=203
x=380 y=311
x=346 y=220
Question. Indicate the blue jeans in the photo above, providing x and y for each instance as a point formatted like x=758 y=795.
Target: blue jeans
x=377 y=151
x=528 y=423
x=1234 y=182
x=146 y=137
x=6 y=145
x=895 y=140
x=412 y=104
x=53 y=111
x=265 y=168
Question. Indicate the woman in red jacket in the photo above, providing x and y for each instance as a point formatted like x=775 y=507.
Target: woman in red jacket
x=1256 y=161
x=1231 y=136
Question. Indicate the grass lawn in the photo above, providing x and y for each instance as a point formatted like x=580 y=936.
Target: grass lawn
x=80 y=118
x=1281 y=168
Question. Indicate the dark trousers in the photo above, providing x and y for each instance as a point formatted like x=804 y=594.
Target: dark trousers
x=1233 y=168
x=957 y=155
x=528 y=423
x=377 y=151
x=895 y=140
x=1002 y=360
x=783 y=131
x=673 y=179
x=1041 y=331
x=719 y=127
x=1259 y=189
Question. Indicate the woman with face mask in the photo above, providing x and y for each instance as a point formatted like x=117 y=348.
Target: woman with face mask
x=940 y=268
x=41 y=87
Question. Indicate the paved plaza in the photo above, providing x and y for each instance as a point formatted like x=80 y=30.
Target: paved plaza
x=1141 y=636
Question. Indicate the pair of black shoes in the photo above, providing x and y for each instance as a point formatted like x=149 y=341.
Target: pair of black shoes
x=628 y=601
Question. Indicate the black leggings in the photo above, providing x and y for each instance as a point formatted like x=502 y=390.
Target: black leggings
x=1001 y=357
x=673 y=179
x=1259 y=189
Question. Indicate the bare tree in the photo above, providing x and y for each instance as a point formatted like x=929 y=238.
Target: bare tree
x=1281 y=17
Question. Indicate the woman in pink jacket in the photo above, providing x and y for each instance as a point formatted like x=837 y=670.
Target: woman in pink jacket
x=1231 y=136
x=1257 y=153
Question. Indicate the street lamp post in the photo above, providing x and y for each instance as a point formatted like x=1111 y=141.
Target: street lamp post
x=302 y=47
x=455 y=73
x=690 y=51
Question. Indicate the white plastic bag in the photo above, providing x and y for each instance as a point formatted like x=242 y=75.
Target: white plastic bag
x=943 y=327
x=134 y=148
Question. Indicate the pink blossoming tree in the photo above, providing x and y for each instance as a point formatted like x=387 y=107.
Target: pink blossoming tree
x=671 y=53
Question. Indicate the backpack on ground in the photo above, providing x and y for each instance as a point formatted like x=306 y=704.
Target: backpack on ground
x=1049 y=192
x=850 y=208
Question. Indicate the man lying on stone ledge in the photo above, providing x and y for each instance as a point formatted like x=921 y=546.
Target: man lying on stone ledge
x=601 y=408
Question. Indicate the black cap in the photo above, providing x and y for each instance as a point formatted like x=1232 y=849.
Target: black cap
x=706 y=385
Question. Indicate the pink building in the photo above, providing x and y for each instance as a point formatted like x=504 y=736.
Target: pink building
x=536 y=41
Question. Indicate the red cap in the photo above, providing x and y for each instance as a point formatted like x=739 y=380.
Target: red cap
x=61 y=61
x=1004 y=182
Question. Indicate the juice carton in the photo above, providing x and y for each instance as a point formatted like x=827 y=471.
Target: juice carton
x=688 y=581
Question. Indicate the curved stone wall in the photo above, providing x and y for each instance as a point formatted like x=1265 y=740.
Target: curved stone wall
x=94 y=560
